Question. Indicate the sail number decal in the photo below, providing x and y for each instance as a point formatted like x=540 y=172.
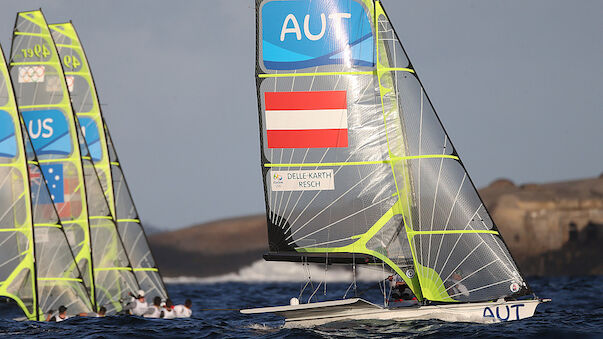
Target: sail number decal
x=40 y=51
x=301 y=34
x=303 y=180
x=49 y=131
x=503 y=313
x=71 y=61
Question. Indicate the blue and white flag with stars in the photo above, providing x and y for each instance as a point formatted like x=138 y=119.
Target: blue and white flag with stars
x=54 y=180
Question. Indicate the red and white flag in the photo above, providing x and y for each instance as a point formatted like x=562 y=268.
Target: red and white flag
x=306 y=119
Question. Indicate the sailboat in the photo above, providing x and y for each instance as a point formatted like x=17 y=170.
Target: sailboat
x=38 y=269
x=358 y=170
x=80 y=84
x=45 y=106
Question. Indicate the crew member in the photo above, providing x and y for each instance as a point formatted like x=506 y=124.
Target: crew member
x=61 y=316
x=168 y=310
x=399 y=289
x=184 y=311
x=155 y=310
x=138 y=306
x=49 y=315
x=101 y=313
x=457 y=287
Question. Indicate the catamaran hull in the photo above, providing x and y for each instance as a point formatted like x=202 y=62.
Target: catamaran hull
x=309 y=315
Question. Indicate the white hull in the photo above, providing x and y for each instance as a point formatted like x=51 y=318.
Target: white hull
x=307 y=315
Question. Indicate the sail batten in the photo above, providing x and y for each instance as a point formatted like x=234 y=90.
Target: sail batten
x=390 y=184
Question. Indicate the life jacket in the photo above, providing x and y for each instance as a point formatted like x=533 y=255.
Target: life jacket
x=168 y=313
x=153 y=312
x=58 y=319
x=182 y=312
x=140 y=307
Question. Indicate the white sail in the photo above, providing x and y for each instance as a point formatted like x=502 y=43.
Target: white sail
x=356 y=164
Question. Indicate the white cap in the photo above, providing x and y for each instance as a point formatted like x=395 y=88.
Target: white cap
x=294 y=301
x=140 y=293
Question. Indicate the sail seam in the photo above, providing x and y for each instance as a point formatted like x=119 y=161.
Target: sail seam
x=60 y=279
x=32 y=63
x=113 y=269
x=358 y=163
x=32 y=34
x=451 y=232
x=381 y=69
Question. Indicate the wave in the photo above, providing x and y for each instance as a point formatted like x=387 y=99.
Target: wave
x=263 y=271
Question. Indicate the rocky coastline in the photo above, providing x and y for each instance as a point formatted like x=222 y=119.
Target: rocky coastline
x=551 y=230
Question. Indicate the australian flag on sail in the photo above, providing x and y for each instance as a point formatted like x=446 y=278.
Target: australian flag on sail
x=302 y=34
x=54 y=180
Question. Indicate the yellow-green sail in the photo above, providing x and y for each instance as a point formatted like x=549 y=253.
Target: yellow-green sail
x=356 y=164
x=30 y=227
x=86 y=106
x=45 y=106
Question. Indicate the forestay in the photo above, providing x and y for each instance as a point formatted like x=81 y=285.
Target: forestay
x=355 y=160
x=86 y=105
x=45 y=106
x=30 y=227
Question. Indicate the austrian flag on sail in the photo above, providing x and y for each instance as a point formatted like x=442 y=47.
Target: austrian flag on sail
x=306 y=119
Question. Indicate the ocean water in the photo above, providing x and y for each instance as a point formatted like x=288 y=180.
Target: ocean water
x=576 y=311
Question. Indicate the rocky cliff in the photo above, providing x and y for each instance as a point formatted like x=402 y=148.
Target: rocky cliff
x=551 y=229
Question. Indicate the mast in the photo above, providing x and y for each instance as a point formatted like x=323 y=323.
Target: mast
x=44 y=102
x=355 y=160
x=87 y=108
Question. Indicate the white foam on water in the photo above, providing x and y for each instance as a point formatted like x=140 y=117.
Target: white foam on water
x=263 y=271
x=264 y=327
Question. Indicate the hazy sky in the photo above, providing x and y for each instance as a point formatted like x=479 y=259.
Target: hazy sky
x=517 y=84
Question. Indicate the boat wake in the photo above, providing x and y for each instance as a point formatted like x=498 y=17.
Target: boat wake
x=263 y=271
x=263 y=328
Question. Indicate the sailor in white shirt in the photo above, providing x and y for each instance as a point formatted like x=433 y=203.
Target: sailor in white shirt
x=138 y=306
x=184 y=311
x=155 y=310
x=168 y=310
x=62 y=315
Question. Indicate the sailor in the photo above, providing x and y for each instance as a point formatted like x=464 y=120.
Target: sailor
x=399 y=289
x=184 y=311
x=49 y=315
x=457 y=287
x=168 y=310
x=61 y=316
x=138 y=306
x=155 y=310
x=101 y=313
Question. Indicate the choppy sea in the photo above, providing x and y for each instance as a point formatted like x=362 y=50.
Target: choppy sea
x=576 y=311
